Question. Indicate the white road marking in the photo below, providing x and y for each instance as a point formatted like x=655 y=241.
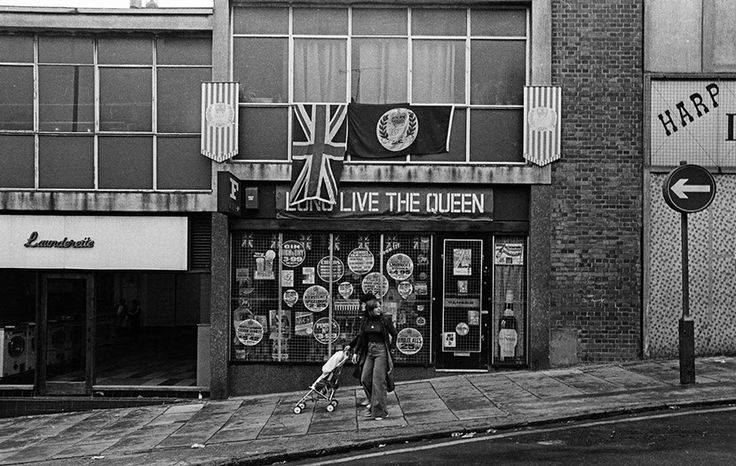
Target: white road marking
x=450 y=443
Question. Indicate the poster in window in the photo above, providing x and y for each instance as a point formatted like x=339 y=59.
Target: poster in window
x=509 y=254
x=461 y=260
x=448 y=340
x=462 y=287
x=325 y=331
x=316 y=298
x=360 y=261
x=264 y=265
x=308 y=275
x=399 y=267
x=280 y=324
x=293 y=253
x=420 y=288
x=330 y=269
x=376 y=284
x=287 y=278
x=462 y=329
x=409 y=341
x=291 y=296
x=345 y=289
x=249 y=332
x=303 y=322
x=405 y=289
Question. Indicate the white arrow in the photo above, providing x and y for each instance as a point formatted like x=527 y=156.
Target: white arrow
x=680 y=188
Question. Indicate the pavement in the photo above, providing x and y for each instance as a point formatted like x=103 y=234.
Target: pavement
x=264 y=429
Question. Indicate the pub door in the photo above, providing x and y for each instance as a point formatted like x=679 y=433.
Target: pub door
x=462 y=300
x=66 y=334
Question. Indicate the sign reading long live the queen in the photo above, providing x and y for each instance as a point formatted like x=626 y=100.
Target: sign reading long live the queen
x=401 y=203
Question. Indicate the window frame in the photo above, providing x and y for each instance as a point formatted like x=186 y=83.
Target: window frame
x=153 y=67
x=468 y=38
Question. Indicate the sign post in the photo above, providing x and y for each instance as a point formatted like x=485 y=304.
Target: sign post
x=687 y=189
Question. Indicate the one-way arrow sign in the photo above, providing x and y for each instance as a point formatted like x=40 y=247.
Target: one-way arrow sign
x=681 y=187
x=689 y=188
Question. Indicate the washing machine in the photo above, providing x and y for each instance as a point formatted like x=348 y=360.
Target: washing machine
x=14 y=356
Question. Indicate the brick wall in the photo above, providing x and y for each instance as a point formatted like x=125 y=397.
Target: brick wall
x=596 y=215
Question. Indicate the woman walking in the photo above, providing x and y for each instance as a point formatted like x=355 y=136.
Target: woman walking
x=373 y=345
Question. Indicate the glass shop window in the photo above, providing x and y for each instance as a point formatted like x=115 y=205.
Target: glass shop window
x=509 y=300
x=296 y=295
x=473 y=59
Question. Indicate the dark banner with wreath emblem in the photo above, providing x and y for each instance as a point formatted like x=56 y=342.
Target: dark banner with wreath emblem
x=390 y=130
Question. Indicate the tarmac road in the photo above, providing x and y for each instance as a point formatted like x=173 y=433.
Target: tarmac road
x=674 y=437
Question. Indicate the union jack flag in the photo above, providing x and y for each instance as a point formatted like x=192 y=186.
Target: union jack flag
x=318 y=150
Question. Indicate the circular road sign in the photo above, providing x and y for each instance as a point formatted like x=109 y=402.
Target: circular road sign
x=689 y=188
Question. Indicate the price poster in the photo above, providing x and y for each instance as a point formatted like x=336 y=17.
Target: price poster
x=249 y=332
x=461 y=260
x=409 y=341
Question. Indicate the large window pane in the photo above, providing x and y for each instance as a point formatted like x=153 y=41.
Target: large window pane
x=125 y=162
x=379 y=70
x=66 y=162
x=125 y=99
x=496 y=136
x=438 y=22
x=16 y=97
x=177 y=50
x=457 y=142
x=322 y=21
x=262 y=67
x=125 y=50
x=66 y=98
x=180 y=164
x=319 y=70
x=263 y=134
x=16 y=161
x=498 y=72
x=261 y=20
x=16 y=49
x=371 y=21
x=65 y=49
x=498 y=22
x=439 y=71
x=179 y=93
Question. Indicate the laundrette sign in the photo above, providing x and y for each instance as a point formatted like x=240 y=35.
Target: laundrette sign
x=34 y=242
x=398 y=203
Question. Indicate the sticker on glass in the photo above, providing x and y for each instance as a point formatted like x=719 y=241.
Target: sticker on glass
x=303 y=322
x=462 y=287
x=409 y=341
x=375 y=284
x=399 y=267
x=405 y=289
x=461 y=259
x=316 y=298
x=291 y=297
x=325 y=331
x=345 y=289
x=330 y=270
x=462 y=329
x=421 y=321
x=420 y=307
x=280 y=324
x=420 y=288
x=249 y=332
x=245 y=281
x=293 y=253
x=360 y=261
x=473 y=317
x=308 y=275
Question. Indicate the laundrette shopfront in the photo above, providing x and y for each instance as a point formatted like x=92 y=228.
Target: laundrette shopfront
x=449 y=263
x=99 y=305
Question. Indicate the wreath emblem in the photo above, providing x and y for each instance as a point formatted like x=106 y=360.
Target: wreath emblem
x=397 y=129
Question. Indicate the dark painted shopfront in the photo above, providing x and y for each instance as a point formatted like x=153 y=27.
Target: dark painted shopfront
x=448 y=262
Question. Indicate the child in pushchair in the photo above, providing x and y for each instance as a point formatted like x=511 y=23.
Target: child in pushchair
x=326 y=385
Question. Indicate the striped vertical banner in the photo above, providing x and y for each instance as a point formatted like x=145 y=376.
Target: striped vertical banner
x=219 y=120
x=542 y=124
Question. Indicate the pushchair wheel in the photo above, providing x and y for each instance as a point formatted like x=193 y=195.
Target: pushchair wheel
x=334 y=403
x=302 y=405
x=330 y=408
x=297 y=409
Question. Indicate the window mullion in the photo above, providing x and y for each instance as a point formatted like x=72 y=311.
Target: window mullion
x=96 y=145
x=468 y=43
x=290 y=84
x=36 y=116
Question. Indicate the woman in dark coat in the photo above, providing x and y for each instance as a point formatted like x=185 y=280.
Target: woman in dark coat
x=373 y=345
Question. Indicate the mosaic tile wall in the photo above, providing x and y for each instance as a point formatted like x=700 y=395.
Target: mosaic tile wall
x=712 y=244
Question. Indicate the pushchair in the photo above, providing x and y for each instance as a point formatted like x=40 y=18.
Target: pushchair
x=326 y=385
